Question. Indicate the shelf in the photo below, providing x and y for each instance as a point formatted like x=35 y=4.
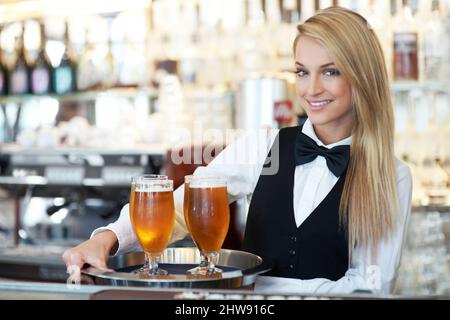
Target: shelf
x=436 y=86
x=43 y=181
x=82 y=96
x=144 y=149
x=397 y=86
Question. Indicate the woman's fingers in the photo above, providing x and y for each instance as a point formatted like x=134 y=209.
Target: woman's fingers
x=73 y=259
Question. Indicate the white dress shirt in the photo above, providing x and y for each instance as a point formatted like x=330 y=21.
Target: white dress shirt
x=241 y=163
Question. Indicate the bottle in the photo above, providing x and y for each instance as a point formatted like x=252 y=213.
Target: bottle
x=255 y=52
x=40 y=74
x=19 y=74
x=129 y=49
x=308 y=9
x=445 y=71
x=96 y=64
x=405 y=55
x=290 y=12
x=3 y=75
x=433 y=48
x=273 y=12
x=378 y=16
x=108 y=75
x=89 y=76
x=287 y=30
x=64 y=74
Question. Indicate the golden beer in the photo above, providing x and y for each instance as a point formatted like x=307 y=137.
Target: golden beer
x=187 y=180
x=131 y=209
x=186 y=205
x=208 y=216
x=153 y=219
x=136 y=179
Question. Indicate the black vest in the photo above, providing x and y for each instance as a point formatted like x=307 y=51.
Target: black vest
x=316 y=249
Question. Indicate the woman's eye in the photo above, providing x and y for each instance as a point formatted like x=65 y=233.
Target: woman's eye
x=300 y=73
x=332 y=72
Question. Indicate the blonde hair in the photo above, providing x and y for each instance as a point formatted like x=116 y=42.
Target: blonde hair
x=369 y=202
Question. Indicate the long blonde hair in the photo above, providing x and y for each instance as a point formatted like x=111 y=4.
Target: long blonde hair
x=369 y=202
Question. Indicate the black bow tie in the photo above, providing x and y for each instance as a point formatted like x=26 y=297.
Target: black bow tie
x=306 y=150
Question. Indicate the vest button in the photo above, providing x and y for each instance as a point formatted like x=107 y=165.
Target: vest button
x=293 y=238
x=291 y=267
x=292 y=252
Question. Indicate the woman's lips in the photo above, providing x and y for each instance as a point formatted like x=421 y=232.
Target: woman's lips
x=318 y=104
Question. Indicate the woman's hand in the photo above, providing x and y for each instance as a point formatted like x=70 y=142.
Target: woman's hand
x=94 y=252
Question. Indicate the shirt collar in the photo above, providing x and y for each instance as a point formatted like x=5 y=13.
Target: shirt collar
x=308 y=129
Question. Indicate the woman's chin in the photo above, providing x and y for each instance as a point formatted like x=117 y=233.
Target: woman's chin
x=317 y=119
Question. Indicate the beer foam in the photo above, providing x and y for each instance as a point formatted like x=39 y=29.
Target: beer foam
x=152 y=188
x=207 y=184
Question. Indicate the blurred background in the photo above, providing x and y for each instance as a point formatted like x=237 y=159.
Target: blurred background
x=94 y=92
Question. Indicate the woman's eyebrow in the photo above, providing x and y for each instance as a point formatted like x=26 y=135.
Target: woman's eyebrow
x=323 y=66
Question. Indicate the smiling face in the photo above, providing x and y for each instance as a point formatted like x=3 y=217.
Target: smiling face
x=323 y=91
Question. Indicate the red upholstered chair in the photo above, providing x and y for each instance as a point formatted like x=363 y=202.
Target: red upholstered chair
x=176 y=172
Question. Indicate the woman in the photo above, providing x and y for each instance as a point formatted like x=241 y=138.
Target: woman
x=333 y=216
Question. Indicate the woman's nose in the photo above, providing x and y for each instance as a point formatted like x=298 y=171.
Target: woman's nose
x=314 y=86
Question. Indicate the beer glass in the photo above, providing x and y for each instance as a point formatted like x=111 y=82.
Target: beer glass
x=145 y=267
x=153 y=218
x=187 y=181
x=208 y=219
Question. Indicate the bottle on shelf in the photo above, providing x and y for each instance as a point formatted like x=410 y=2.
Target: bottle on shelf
x=64 y=74
x=405 y=55
x=41 y=70
x=190 y=59
x=445 y=71
x=278 y=16
x=308 y=8
x=93 y=64
x=274 y=12
x=129 y=49
x=3 y=74
x=254 y=50
x=19 y=74
x=109 y=78
x=3 y=77
x=285 y=36
x=290 y=11
x=434 y=43
x=377 y=14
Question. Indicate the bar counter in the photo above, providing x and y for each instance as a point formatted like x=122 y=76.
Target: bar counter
x=35 y=273
x=21 y=290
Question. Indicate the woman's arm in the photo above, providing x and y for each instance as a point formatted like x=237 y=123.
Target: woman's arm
x=241 y=163
x=362 y=275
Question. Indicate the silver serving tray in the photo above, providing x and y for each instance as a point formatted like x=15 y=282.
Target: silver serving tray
x=240 y=269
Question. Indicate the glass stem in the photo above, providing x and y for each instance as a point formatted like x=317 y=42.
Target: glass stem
x=146 y=260
x=153 y=261
x=211 y=260
x=204 y=260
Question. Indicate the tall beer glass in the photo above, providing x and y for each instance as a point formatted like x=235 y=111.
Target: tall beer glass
x=187 y=181
x=208 y=219
x=153 y=218
x=145 y=267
